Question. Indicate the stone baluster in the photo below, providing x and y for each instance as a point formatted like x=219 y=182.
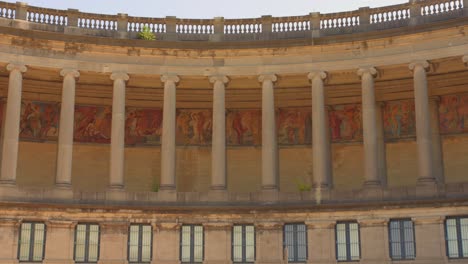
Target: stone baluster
x=118 y=131
x=369 y=123
x=437 y=157
x=320 y=132
x=423 y=122
x=65 y=138
x=218 y=152
x=269 y=140
x=168 y=144
x=12 y=123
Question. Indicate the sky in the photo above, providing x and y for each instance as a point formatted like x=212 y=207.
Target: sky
x=210 y=8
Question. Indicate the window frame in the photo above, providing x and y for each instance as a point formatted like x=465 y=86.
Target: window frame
x=402 y=239
x=31 y=242
x=295 y=243
x=88 y=225
x=348 y=241
x=459 y=237
x=244 y=244
x=192 y=243
x=140 y=243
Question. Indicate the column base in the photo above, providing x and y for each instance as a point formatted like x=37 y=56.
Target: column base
x=116 y=187
x=269 y=188
x=167 y=187
x=218 y=188
x=372 y=184
x=63 y=185
x=427 y=181
x=8 y=182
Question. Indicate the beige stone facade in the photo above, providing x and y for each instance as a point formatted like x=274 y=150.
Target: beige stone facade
x=316 y=120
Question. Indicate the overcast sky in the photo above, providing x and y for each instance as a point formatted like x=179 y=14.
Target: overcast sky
x=210 y=8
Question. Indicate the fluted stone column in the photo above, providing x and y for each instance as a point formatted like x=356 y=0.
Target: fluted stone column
x=269 y=140
x=369 y=123
x=65 y=139
x=168 y=144
x=437 y=157
x=423 y=122
x=218 y=149
x=118 y=131
x=320 y=132
x=12 y=123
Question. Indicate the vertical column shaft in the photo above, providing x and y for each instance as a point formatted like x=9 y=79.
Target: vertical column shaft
x=269 y=141
x=12 y=123
x=320 y=138
x=168 y=144
x=423 y=122
x=437 y=157
x=118 y=131
x=369 y=123
x=218 y=152
x=65 y=139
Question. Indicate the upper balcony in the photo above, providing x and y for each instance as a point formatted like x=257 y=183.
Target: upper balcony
x=303 y=29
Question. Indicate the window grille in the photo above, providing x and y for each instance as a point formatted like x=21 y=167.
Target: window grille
x=86 y=243
x=295 y=240
x=31 y=242
x=140 y=243
x=401 y=239
x=347 y=241
x=243 y=244
x=456 y=237
x=191 y=244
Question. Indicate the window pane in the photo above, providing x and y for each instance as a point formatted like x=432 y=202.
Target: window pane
x=185 y=241
x=452 y=238
x=409 y=239
x=341 y=241
x=133 y=243
x=146 y=243
x=354 y=241
x=237 y=244
x=93 y=247
x=80 y=241
x=250 y=243
x=39 y=236
x=464 y=236
x=25 y=241
x=198 y=241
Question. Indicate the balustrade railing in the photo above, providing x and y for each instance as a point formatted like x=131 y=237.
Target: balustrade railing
x=312 y=25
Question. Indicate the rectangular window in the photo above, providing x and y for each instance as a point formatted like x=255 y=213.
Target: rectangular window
x=191 y=244
x=347 y=241
x=140 y=240
x=243 y=243
x=31 y=242
x=456 y=236
x=295 y=241
x=401 y=239
x=87 y=243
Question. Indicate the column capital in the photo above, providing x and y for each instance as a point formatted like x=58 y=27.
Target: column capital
x=16 y=66
x=465 y=60
x=219 y=78
x=170 y=78
x=317 y=74
x=70 y=71
x=267 y=77
x=119 y=76
x=367 y=70
x=419 y=63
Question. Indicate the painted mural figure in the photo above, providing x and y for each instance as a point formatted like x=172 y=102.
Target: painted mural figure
x=399 y=119
x=92 y=124
x=243 y=127
x=143 y=126
x=194 y=127
x=345 y=122
x=294 y=126
x=453 y=113
x=39 y=120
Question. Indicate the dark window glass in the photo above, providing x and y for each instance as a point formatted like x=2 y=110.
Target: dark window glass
x=401 y=239
x=295 y=241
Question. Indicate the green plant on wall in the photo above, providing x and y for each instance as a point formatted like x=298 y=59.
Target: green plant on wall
x=155 y=187
x=146 y=34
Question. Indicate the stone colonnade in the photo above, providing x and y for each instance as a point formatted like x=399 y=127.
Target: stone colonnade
x=428 y=139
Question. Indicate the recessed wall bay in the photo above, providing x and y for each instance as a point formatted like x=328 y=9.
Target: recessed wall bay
x=453 y=114
x=399 y=119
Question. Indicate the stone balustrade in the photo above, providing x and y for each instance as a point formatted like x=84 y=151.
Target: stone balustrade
x=314 y=25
